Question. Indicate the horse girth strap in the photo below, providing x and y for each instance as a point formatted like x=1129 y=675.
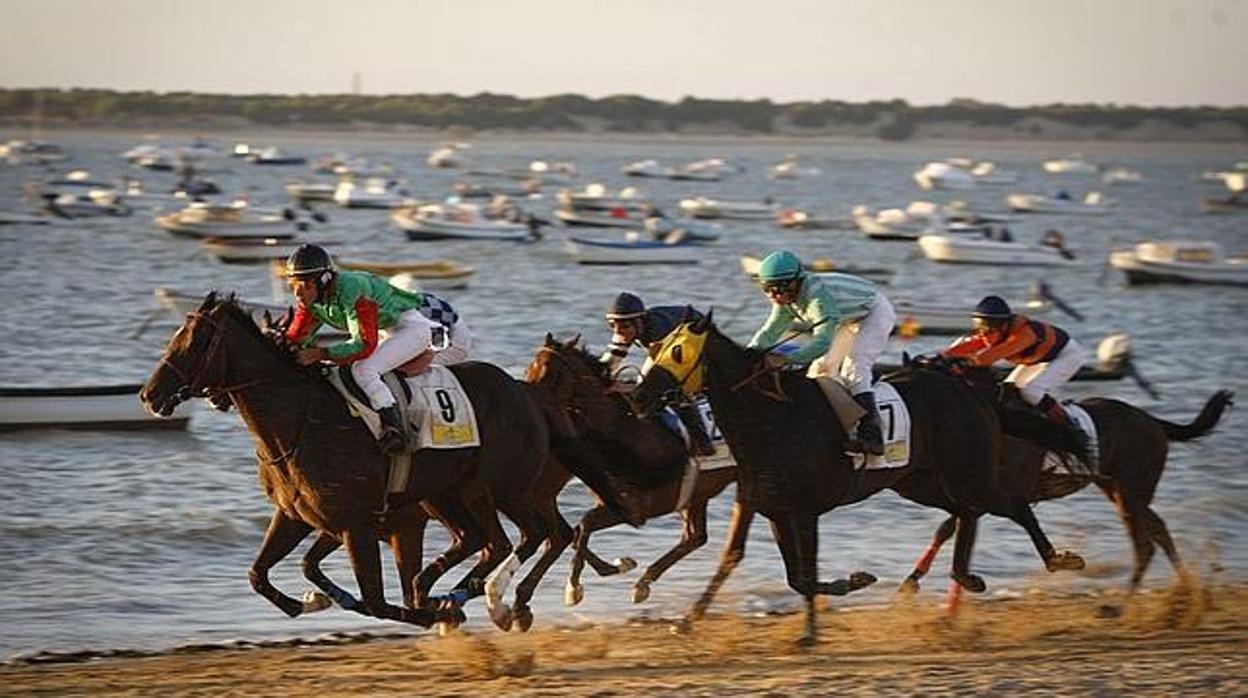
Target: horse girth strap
x=777 y=393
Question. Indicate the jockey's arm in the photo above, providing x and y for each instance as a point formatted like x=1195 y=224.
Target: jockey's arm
x=362 y=324
x=824 y=317
x=302 y=326
x=774 y=327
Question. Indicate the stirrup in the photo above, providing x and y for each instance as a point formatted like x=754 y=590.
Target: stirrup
x=391 y=442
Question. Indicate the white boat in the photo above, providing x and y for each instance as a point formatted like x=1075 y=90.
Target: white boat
x=824 y=266
x=94 y=203
x=300 y=190
x=942 y=175
x=794 y=219
x=446 y=156
x=633 y=250
x=646 y=168
x=1071 y=165
x=898 y=224
x=375 y=193
x=597 y=197
x=1180 y=261
x=593 y=218
x=987 y=173
x=274 y=156
x=791 y=168
x=966 y=249
x=17 y=152
x=457 y=221
x=1093 y=204
x=244 y=250
x=429 y=275
x=704 y=207
x=87 y=407
x=19 y=218
x=204 y=220
x=694 y=229
x=1122 y=175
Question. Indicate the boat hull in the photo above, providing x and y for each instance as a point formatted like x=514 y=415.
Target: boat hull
x=585 y=251
x=1139 y=271
x=102 y=408
x=945 y=249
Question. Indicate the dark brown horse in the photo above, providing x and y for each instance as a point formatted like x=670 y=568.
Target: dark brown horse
x=646 y=460
x=792 y=465
x=1132 y=450
x=321 y=468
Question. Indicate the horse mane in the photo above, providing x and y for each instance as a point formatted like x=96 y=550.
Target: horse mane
x=229 y=305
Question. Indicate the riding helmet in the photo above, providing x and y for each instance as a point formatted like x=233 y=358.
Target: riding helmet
x=779 y=266
x=308 y=260
x=993 y=308
x=626 y=306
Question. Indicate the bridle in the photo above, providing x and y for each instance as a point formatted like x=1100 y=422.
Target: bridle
x=573 y=410
x=194 y=384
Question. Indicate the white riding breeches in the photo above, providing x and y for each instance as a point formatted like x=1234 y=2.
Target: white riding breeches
x=402 y=342
x=1037 y=380
x=855 y=347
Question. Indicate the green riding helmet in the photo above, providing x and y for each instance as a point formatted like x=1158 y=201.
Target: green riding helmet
x=779 y=266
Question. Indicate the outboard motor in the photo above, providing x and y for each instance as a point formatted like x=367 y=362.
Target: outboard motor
x=1114 y=352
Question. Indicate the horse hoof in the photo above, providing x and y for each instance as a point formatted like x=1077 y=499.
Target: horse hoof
x=524 y=618
x=909 y=586
x=502 y=618
x=971 y=582
x=684 y=626
x=573 y=594
x=625 y=564
x=1063 y=561
x=452 y=617
x=444 y=629
x=861 y=580
x=314 y=601
x=641 y=592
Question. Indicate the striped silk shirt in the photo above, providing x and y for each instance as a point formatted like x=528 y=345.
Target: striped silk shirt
x=825 y=301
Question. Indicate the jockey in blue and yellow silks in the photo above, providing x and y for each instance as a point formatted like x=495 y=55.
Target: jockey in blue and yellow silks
x=851 y=323
x=365 y=305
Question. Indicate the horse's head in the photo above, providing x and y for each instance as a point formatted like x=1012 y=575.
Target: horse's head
x=576 y=381
x=676 y=367
x=194 y=363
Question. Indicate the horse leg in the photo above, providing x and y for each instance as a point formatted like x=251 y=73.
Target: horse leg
x=361 y=544
x=734 y=552
x=1054 y=561
x=464 y=542
x=283 y=534
x=532 y=533
x=924 y=563
x=693 y=536
x=1161 y=535
x=604 y=520
x=325 y=544
x=557 y=540
x=407 y=543
x=797 y=537
x=963 y=544
x=595 y=519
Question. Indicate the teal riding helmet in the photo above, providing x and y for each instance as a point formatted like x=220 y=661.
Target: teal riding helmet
x=781 y=265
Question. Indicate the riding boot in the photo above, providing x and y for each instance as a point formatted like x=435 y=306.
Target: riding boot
x=699 y=441
x=392 y=441
x=870 y=438
x=1057 y=413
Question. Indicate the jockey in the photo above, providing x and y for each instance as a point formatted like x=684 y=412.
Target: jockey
x=633 y=324
x=364 y=305
x=1044 y=356
x=850 y=324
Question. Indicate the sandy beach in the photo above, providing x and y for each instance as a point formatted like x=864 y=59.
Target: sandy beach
x=1189 y=640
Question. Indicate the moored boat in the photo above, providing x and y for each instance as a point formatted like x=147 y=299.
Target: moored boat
x=967 y=249
x=633 y=250
x=84 y=407
x=1093 y=204
x=457 y=221
x=430 y=275
x=374 y=193
x=1180 y=261
x=246 y=250
x=705 y=207
x=203 y=220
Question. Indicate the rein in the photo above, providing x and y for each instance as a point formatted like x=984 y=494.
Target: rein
x=193 y=383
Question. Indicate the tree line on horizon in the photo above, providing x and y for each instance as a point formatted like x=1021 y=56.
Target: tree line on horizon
x=893 y=119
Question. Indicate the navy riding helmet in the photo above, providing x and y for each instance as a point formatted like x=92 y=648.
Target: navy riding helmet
x=993 y=308
x=626 y=306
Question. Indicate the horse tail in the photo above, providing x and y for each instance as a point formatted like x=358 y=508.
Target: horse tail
x=1204 y=422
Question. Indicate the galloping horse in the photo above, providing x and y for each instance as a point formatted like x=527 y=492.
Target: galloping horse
x=321 y=467
x=646 y=460
x=1132 y=450
x=792 y=465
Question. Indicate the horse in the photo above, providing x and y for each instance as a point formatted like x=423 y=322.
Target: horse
x=1132 y=446
x=647 y=462
x=792 y=465
x=322 y=470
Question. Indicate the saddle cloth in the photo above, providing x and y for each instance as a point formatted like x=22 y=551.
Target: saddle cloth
x=722 y=457
x=433 y=403
x=895 y=425
x=1067 y=463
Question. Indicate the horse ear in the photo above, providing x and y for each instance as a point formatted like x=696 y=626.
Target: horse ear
x=550 y=340
x=701 y=325
x=574 y=341
x=905 y=359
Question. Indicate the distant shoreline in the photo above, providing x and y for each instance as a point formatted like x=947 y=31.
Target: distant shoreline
x=442 y=116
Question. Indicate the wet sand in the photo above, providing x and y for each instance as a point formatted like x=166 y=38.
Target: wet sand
x=1185 y=640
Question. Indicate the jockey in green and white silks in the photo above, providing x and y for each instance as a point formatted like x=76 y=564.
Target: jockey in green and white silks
x=367 y=306
x=851 y=322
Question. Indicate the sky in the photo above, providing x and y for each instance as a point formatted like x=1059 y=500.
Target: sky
x=1017 y=52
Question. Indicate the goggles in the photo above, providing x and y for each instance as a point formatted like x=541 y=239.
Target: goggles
x=780 y=286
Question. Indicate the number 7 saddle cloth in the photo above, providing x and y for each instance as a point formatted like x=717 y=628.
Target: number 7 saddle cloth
x=435 y=406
